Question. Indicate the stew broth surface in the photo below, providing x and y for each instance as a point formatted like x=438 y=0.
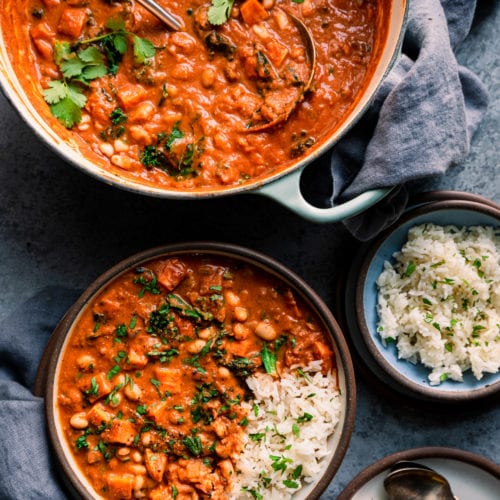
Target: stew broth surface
x=152 y=376
x=178 y=114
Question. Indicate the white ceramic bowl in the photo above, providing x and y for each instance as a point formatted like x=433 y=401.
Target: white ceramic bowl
x=50 y=364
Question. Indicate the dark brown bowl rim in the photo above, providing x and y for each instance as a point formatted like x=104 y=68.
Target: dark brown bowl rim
x=429 y=393
x=51 y=355
x=415 y=454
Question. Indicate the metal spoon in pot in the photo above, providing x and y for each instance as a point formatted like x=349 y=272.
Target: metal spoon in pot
x=311 y=61
x=162 y=14
x=413 y=481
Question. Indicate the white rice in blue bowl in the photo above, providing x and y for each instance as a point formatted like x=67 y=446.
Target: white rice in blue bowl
x=428 y=301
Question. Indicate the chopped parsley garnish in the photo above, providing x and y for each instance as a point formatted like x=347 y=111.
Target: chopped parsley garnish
x=81 y=442
x=117 y=116
x=279 y=463
x=141 y=409
x=268 y=360
x=255 y=493
x=290 y=484
x=257 y=436
x=94 y=388
x=193 y=444
x=148 y=280
x=175 y=163
x=307 y=417
x=114 y=371
x=410 y=269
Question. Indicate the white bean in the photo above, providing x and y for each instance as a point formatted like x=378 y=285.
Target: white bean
x=195 y=346
x=120 y=146
x=79 y=421
x=265 y=331
x=231 y=298
x=133 y=392
x=241 y=313
x=107 y=149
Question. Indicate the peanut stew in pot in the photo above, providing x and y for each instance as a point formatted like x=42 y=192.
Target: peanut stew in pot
x=191 y=110
x=152 y=377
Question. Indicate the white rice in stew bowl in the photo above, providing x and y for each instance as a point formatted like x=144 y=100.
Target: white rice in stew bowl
x=438 y=301
x=289 y=422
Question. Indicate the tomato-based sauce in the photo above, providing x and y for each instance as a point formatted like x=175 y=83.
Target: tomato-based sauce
x=152 y=377
x=176 y=109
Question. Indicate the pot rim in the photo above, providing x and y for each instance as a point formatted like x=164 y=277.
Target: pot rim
x=51 y=357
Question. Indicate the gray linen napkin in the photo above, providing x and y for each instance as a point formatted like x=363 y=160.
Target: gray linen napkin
x=28 y=469
x=421 y=120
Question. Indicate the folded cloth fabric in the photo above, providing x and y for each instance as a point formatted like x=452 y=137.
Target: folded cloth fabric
x=27 y=468
x=421 y=120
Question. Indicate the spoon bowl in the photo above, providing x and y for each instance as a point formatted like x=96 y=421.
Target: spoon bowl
x=311 y=61
x=413 y=481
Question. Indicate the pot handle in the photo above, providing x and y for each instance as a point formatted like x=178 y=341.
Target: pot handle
x=286 y=190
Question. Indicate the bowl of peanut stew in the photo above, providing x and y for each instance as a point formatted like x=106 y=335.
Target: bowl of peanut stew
x=222 y=106
x=199 y=370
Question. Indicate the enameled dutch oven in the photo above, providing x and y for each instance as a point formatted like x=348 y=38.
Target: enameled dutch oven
x=46 y=381
x=283 y=186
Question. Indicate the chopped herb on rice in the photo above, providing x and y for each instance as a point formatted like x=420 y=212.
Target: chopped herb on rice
x=445 y=313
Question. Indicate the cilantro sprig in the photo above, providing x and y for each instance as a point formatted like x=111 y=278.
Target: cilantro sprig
x=84 y=61
x=219 y=11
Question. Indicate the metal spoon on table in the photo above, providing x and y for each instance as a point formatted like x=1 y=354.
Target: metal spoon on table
x=162 y=14
x=413 y=481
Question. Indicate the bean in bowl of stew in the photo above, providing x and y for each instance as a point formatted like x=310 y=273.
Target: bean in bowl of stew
x=199 y=370
x=190 y=113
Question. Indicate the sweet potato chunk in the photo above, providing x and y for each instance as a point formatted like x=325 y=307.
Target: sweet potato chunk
x=136 y=360
x=98 y=414
x=121 y=431
x=120 y=485
x=155 y=464
x=95 y=386
x=253 y=12
x=276 y=52
x=170 y=379
x=72 y=22
x=131 y=94
x=171 y=274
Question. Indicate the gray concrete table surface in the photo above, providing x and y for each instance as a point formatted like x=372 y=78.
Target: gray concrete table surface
x=59 y=227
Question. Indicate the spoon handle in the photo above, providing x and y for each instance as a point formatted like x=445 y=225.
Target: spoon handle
x=162 y=14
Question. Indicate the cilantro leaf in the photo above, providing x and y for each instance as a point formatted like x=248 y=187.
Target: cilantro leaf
x=65 y=100
x=219 y=11
x=86 y=60
x=57 y=91
x=91 y=55
x=116 y=24
x=143 y=49
x=72 y=67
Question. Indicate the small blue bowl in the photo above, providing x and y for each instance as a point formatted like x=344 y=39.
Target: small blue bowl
x=407 y=376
